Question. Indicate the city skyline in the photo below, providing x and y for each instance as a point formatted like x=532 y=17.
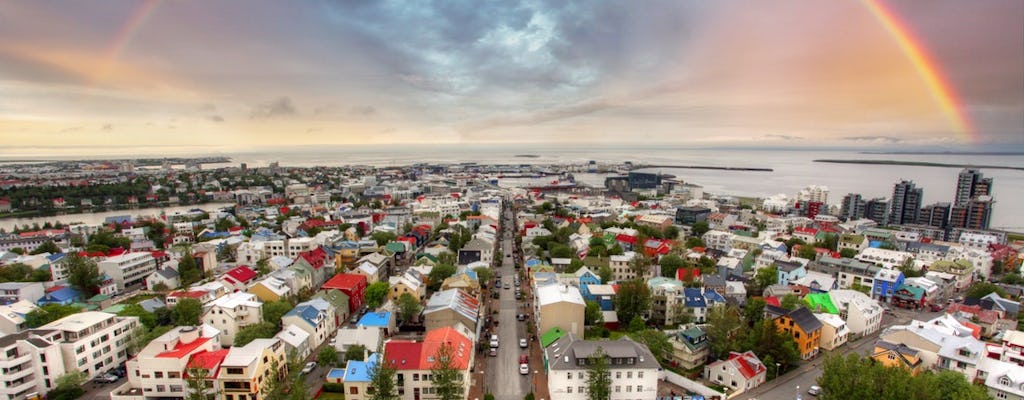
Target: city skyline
x=807 y=74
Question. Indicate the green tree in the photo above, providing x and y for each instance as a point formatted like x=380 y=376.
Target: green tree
x=263 y=267
x=408 y=307
x=188 y=269
x=754 y=310
x=446 y=257
x=48 y=247
x=599 y=379
x=724 y=325
x=1012 y=278
x=68 y=386
x=848 y=253
x=605 y=273
x=807 y=251
x=147 y=318
x=669 y=264
x=592 y=314
x=559 y=250
x=376 y=293
x=656 y=341
x=447 y=378
x=700 y=228
x=18 y=272
x=274 y=310
x=767 y=276
x=328 y=356
x=48 y=313
x=636 y=324
x=199 y=383
x=438 y=274
x=671 y=232
x=632 y=299
x=83 y=275
x=789 y=301
x=383 y=238
x=692 y=242
x=356 y=352
x=982 y=289
x=857 y=377
x=483 y=274
x=262 y=330
x=187 y=312
x=382 y=379
x=574 y=265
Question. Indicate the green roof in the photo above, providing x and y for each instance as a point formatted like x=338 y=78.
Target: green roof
x=551 y=336
x=86 y=307
x=915 y=292
x=98 y=298
x=114 y=309
x=395 y=247
x=821 y=301
x=855 y=239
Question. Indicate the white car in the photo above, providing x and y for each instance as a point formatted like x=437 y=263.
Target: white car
x=310 y=366
x=494 y=341
x=523 y=344
x=524 y=369
x=814 y=390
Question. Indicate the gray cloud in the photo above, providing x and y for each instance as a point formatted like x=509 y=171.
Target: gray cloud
x=540 y=117
x=364 y=110
x=782 y=137
x=108 y=127
x=874 y=139
x=279 y=107
x=207 y=107
x=215 y=118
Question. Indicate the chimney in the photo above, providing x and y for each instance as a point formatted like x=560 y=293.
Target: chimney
x=188 y=334
x=366 y=354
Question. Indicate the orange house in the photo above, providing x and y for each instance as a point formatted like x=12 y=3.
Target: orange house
x=805 y=329
x=897 y=355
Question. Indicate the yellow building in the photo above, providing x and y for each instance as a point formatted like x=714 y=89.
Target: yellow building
x=805 y=329
x=897 y=355
x=246 y=371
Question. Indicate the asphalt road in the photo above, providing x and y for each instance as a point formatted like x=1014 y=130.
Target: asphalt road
x=794 y=385
x=502 y=376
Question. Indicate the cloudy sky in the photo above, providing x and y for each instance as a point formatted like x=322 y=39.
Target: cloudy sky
x=131 y=73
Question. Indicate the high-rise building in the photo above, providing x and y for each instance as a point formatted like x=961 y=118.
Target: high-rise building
x=975 y=214
x=935 y=215
x=813 y=193
x=877 y=210
x=971 y=183
x=906 y=203
x=853 y=206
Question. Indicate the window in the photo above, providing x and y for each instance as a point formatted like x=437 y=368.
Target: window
x=639 y=388
x=353 y=390
x=579 y=376
x=640 y=375
x=158 y=374
x=892 y=357
x=568 y=389
x=629 y=375
x=629 y=389
x=618 y=374
x=568 y=376
x=581 y=389
x=618 y=389
x=1001 y=395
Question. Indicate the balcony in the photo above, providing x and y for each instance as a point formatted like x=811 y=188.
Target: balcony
x=16 y=362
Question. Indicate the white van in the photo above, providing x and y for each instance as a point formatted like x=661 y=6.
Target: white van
x=494 y=341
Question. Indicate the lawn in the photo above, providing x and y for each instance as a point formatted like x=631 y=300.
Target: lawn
x=332 y=396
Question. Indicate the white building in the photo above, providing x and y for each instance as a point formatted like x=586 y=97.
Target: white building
x=128 y=269
x=159 y=369
x=12 y=316
x=559 y=306
x=621 y=265
x=633 y=369
x=31 y=362
x=833 y=331
x=316 y=317
x=813 y=193
x=94 y=342
x=232 y=312
x=740 y=372
x=718 y=240
x=863 y=315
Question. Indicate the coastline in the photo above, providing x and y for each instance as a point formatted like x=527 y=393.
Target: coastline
x=917 y=164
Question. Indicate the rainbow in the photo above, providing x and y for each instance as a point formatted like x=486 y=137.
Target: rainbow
x=127 y=33
x=942 y=91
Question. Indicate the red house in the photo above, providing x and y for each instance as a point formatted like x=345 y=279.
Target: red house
x=353 y=285
x=239 y=277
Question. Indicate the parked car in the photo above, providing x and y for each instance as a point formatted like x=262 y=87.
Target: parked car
x=524 y=365
x=493 y=352
x=523 y=344
x=494 y=341
x=507 y=286
x=107 y=378
x=310 y=366
x=814 y=390
x=521 y=317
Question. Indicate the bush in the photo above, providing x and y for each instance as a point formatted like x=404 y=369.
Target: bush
x=334 y=387
x=529 y=396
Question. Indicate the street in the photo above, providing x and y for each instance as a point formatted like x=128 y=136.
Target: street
x=502 y=376
x=786 y=387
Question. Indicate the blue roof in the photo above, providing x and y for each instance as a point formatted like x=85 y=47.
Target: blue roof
x=337 y=373
x=875 y=243
x=306 y=312
x=56 y=257
x=713 y=296
x=357 y=371
x=376 y=319
x=59 y=296
x=532 y=262
x=472 y=274
x=694 y=298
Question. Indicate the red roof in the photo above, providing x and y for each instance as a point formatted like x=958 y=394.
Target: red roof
x=345 y=282
x=772 y=301
x=195 y=294
x=747 y=363
x=316 y=257
x=208 y=360
x=55 y=288
x=685 y=274
x=409 y=355
x=183 y=349
x=626 y=238
x=241 y=274
x=805 y=230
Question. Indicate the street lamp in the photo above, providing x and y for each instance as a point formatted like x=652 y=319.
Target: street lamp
x=777 y=365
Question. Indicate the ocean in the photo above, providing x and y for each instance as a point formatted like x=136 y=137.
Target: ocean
x=793 y=169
